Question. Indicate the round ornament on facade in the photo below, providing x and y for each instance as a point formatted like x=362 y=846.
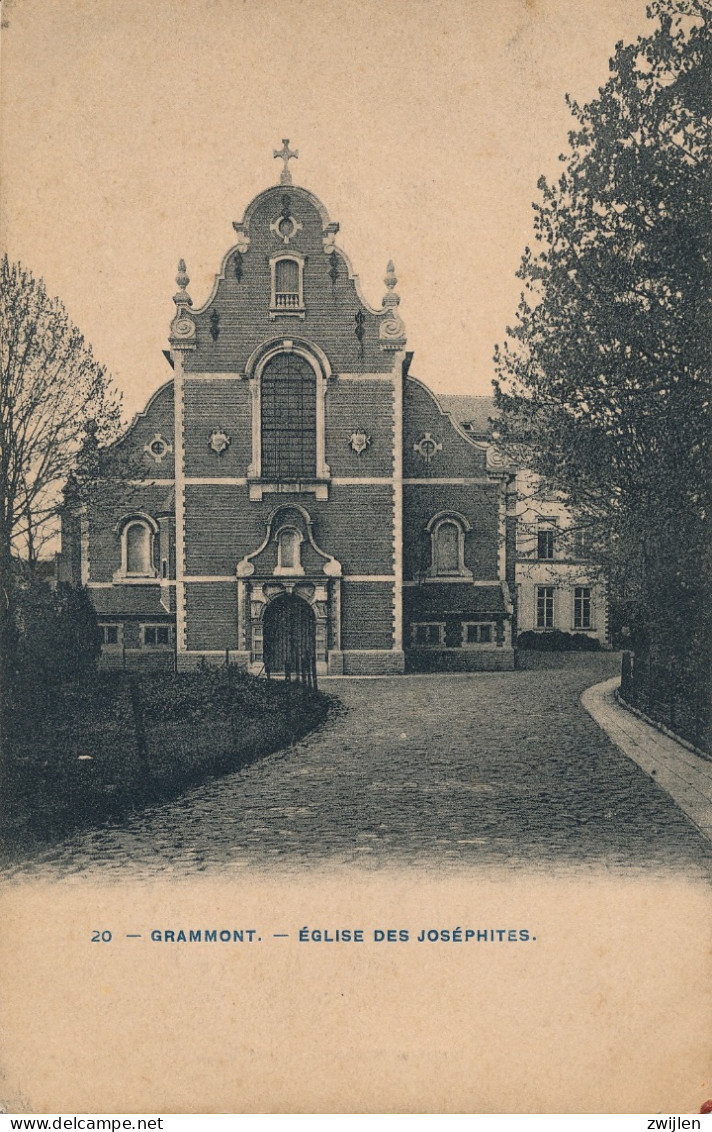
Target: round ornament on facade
x=427 y=447
x=157 y=447
x=359 y=441
x=285 y=228
x=219 y=441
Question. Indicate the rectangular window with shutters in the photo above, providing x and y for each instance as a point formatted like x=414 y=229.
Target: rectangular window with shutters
x=582 y=543
x=545 y=540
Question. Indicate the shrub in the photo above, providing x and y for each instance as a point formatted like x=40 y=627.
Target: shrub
x=206 y=693
x=555 y=640
x=57 y=635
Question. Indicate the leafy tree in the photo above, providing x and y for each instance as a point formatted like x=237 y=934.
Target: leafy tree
x=56 y=402
x=604 y=380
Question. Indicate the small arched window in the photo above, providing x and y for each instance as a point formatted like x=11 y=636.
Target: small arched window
x=287 y=285
x=289 y=552
x=139 y=540
x=447 y=545
x=447 y=548
x=139 y=544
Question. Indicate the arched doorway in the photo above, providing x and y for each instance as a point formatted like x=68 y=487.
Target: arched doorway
x=289 y=628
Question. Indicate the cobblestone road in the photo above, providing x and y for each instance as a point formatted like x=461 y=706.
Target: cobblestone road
x=444 y=771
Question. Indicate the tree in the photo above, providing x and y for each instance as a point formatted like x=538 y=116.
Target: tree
x=56 y=404
x=51 y=387
x=604 y=381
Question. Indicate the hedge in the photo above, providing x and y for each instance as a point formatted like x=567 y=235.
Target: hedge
x=555 y=640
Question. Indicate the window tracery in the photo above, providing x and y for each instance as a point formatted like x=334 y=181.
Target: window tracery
x=288 y=382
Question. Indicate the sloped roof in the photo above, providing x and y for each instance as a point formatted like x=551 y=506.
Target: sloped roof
x=128 y=601
x=456 y=599
x=472 y=412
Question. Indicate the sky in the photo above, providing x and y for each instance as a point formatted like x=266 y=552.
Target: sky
x=134 y=133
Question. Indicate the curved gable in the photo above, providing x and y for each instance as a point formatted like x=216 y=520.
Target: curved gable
x=154 y=425
x=287 y=223
x=434 y=444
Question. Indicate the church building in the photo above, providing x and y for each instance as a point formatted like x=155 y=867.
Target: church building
x=299 y=492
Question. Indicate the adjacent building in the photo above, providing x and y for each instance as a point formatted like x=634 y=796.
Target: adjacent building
x=555 y=581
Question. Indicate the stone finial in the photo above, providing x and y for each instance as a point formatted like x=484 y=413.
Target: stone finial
x=392 y=328
x=390 y=299
x=285 y=154
x=181 y=297
x=182 y=328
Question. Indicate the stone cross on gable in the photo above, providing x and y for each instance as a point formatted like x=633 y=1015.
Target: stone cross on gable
x=285 y=153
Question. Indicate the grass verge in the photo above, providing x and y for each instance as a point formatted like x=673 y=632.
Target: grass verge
x=77 y=755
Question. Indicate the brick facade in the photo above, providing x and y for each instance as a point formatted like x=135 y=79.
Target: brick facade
x=293 y=458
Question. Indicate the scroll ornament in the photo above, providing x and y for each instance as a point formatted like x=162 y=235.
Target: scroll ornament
x=182 y=327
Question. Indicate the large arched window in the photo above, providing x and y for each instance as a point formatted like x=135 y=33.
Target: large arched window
x=288 y=383
x=288 y=419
